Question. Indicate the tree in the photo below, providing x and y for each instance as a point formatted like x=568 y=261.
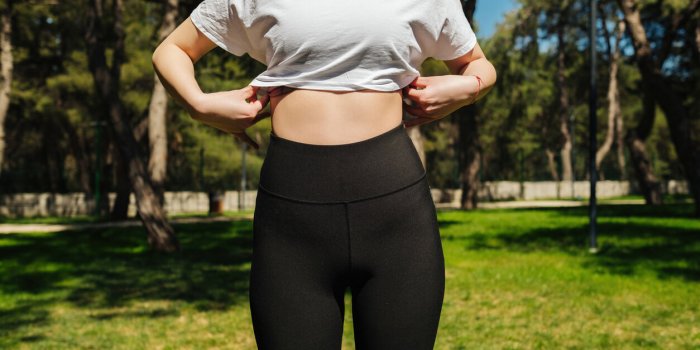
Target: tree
x=466 y=120
x=661 y=89
x=161 y=236
x=563 y=13
x=157 y=134
x=615 y=122
x=6 y=66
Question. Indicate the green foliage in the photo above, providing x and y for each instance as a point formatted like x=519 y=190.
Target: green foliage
x=53 y=101
x=53 y=98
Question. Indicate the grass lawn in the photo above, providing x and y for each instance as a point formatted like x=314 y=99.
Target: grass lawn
x=516 y=279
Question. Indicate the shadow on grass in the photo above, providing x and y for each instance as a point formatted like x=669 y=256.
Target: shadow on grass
x=113 y=267
x=633 y=239
x=675 y=210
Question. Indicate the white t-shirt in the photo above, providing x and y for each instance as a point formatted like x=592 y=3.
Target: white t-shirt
x=337 y=45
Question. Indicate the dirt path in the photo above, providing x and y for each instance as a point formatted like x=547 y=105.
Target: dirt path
x=19 y=228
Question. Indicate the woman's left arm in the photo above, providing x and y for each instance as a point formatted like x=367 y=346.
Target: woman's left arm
x=435 y=97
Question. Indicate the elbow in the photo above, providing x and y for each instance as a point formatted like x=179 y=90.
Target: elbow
x=492 y=70
x=490 y=77
x=495 y=74
x=154 y=58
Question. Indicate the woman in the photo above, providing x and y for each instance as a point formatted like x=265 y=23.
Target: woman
x=343 y=201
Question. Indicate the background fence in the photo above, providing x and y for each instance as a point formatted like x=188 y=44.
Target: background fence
x=176 y=202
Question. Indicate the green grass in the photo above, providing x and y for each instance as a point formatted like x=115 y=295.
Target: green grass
x=516 y=279
x=78 y=219
x=667 y=198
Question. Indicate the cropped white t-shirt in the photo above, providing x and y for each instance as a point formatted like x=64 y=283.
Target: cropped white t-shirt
x=337 y=45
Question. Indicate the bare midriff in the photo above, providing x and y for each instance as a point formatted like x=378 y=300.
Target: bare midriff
x=333 y=117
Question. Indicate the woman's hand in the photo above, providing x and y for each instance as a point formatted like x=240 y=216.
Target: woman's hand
x=232 y=111
x=435 y=97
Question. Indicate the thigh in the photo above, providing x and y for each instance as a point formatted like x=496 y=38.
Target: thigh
x=296 y=278
x=398 y=276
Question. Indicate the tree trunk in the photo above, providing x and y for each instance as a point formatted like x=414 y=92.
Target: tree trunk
x=552 y=164
x=697 y=38
x=614 y=110
x=417 y=138
x=76 y=143
x=161 y=236
x=120 y=208
x=5 y=72
x=620 y=142
x=676 y=114
x=107 y=167
x=648 y=183
x=469 y=139
x=566 y=166
x=50 y=164
x=471 y=156
x=635 y=139
x=157 y=130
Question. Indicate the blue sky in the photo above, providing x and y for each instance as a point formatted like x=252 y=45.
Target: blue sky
x=489 y=13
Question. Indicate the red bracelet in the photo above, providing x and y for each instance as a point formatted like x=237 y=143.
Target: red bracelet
x=478 y=80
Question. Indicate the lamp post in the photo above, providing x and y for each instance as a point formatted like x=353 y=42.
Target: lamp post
x=593 y=248
x=572 y=129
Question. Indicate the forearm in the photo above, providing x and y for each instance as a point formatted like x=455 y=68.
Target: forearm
x=482 y=68
x=175 y=70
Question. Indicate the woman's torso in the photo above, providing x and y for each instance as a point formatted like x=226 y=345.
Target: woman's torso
x=307 y=43
x=348 y=63
x=330 y=117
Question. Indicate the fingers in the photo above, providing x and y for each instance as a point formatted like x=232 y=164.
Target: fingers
x=416 y=111
x=416 y=91
x=261 y=116
x=420 y=82
x=414 y=94
x=262 y=102
x=249 y=93
x=255 y=103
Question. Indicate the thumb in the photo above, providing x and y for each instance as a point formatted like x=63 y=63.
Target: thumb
x=420 y=82
x=259 y=104
x=261 y=101
x=414 y=94
x=249 y=93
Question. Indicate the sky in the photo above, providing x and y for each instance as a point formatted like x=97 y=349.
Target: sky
x=489 y=13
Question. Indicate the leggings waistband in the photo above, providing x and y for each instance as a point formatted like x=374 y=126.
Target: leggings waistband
x=341 y=173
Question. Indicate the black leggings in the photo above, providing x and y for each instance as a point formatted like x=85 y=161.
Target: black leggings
x=357 y=215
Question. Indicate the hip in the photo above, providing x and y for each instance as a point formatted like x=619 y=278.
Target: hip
x=354 y=171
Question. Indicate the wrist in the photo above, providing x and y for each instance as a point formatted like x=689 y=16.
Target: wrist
x=476 y=80
x=198 y=105
x=471 y=89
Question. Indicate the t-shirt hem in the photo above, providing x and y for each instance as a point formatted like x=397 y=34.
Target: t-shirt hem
x=329 y=87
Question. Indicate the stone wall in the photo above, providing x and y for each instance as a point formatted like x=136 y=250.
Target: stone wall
x=72 y=204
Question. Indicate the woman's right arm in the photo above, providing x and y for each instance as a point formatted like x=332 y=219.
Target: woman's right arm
x=173 y=61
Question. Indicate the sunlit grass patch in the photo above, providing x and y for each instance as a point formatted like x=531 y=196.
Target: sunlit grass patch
x=516 y=279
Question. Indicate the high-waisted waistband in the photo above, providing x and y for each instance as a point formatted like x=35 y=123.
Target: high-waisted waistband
x=346 y=172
